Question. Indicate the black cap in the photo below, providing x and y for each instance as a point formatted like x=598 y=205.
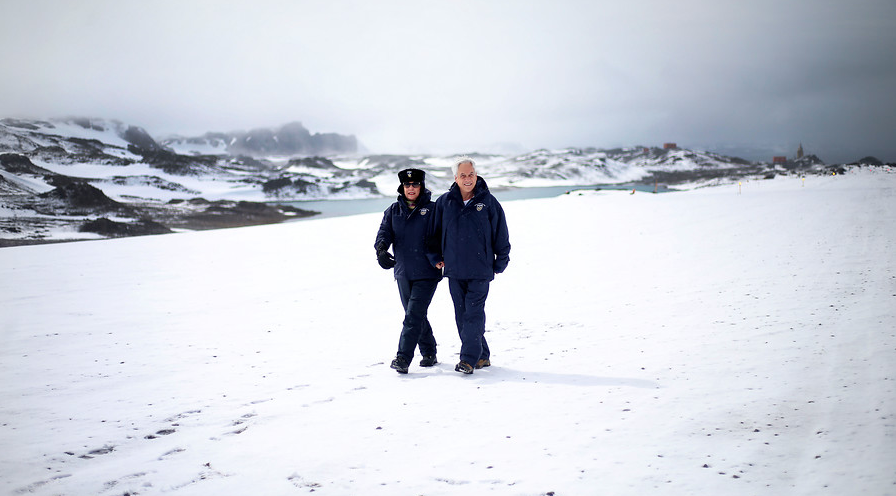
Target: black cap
x=411 y=175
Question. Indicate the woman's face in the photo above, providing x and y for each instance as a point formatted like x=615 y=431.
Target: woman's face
x=411 y=190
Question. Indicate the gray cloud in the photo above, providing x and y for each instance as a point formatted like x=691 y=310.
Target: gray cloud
x=409 y=75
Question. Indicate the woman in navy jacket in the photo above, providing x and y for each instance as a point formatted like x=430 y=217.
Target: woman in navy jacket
x=468 y=239
x=404 y=227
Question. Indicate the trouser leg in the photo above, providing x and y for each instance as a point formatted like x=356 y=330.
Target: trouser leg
x=415 y=298
x=469 y=315
x=424 y=290
x=427 y=341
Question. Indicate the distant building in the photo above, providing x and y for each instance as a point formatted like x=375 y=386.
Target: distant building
x=799 y=151
x=670 y=146
x=779 y=160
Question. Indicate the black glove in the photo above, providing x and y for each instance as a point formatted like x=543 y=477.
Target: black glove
x=385 y=259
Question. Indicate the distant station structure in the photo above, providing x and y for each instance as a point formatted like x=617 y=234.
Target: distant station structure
x=670 y=146
x=781 y=159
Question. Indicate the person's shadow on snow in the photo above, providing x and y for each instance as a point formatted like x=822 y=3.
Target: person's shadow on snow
x=504 y=374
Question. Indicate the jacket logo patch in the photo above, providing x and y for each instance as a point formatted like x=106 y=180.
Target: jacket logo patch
x=424 y=211
x=479 y=207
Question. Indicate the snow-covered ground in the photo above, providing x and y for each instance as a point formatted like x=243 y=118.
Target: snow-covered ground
x=730 y=340
x=138 y=183
x=105 y=131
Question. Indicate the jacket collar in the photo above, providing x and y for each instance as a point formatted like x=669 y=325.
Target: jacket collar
x=424 y=198
x=478 y=190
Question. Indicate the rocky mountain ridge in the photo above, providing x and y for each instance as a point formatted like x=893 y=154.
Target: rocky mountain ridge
x=287 y=140
x=59 y=178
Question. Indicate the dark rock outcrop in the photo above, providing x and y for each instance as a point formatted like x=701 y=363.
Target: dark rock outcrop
x=77 y=195
x=110 y=228
x=869 y=161
x=17 y=163
x=138 y=137
x=174 y=163
x=288 y=186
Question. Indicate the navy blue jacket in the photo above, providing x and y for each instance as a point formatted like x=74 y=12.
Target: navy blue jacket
x=471 y=239
x=405 y=230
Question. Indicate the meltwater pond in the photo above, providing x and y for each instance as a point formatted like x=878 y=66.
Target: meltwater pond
x=338 y=208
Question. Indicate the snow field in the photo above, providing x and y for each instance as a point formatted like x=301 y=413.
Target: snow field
x=705 y=342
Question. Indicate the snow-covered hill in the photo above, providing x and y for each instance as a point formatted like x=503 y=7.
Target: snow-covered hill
x=726 y=340
x=179 y=180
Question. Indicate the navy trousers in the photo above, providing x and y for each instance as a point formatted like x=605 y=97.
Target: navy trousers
x=415 y=330
x=469 y=314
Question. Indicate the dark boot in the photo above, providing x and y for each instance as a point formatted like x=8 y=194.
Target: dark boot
x=464 y=367
x=400 y=364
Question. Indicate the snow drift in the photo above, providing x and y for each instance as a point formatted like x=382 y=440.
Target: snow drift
x=719 y=341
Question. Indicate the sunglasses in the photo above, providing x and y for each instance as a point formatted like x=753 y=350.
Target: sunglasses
x=414 y=184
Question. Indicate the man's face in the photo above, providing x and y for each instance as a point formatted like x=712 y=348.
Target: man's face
x=465 y=178
x=411 y=190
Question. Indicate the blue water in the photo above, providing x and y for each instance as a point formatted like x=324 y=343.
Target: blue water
x=338 y=208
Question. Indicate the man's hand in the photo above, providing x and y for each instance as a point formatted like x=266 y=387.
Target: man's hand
x=385 y=259
x=440 y=265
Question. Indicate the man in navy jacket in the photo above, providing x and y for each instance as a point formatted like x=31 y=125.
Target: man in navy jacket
x=404 y=227
x=468 y=239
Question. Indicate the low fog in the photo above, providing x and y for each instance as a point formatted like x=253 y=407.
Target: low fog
x=754 y=79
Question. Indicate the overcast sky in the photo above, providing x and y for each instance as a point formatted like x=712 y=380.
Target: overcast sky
x=755 y=77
